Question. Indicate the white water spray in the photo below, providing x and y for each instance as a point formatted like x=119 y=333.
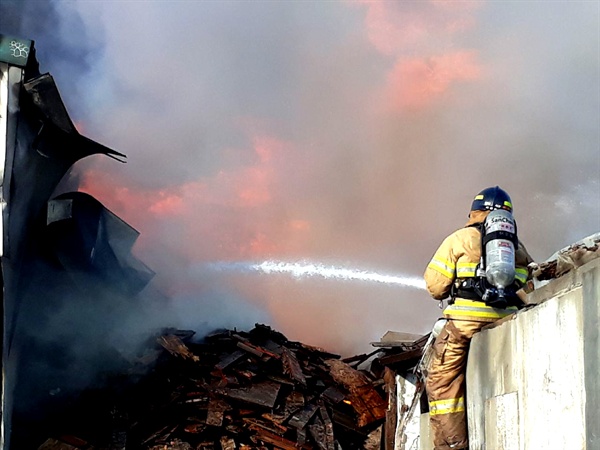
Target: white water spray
x=305 y=269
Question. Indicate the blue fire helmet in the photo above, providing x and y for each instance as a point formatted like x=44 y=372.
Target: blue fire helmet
x=490 y=199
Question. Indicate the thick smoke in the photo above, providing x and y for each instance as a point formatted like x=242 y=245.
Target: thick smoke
x=353 y=133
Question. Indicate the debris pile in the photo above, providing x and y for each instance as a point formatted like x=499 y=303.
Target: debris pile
x=403 y=358
x=235 y=390
x=569 y=258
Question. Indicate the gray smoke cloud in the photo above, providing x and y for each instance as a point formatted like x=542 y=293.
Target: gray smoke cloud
x=355 y=133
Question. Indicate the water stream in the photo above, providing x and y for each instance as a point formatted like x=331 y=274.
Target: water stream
x=306 y=269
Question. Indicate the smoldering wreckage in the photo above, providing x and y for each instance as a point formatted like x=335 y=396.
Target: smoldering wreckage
x=227 y=390
x=230 y=389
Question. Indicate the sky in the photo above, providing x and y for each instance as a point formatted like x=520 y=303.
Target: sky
x=348 y=133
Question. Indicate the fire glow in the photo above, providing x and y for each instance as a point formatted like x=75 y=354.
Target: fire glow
x=304 y=269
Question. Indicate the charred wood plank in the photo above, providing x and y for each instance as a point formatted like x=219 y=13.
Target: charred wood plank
x=328 y=426
x=292 y=403
x=250 y=349
x=292 y=367
x=368 y=405
x=240 y=338
x=245 y=344
x=255 y=424
x=278 y=441
x=365 y=400
x=300 y=419
x=194 y=428
x=262 y=394
x=333 y=395
x=273 y=347
x=276 y=420
x=281 y=380
x=219 y=334
x=176 y=347
x=391 y=418
x=317 y=431
x=344 y=421
x=301 y=437
x=229 y=360
x=216 y=412
x=227 y=443
x=400 y=357
x=173 y=445
x=345 y=375
x=207 y=445
x=248 y=375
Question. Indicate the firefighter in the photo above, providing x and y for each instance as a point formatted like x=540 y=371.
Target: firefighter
x=452 y=272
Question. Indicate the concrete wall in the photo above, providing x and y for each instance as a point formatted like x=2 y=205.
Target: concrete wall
x=533 y=381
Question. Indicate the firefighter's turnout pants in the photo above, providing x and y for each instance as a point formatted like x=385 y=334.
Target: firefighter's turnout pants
x=446 y=384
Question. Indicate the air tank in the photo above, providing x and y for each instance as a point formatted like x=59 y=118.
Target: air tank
x=500 y=229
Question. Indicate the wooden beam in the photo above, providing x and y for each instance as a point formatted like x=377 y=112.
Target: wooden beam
x=176 y=347
x=391 y=416
x=365 y=400
x=292 y=367
x=262 y=394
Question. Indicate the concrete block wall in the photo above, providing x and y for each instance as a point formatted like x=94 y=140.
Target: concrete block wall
x=533 y=381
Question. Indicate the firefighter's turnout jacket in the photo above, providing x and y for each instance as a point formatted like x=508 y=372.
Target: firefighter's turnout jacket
x=457 y=257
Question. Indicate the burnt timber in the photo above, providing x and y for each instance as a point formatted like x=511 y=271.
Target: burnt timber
x=207 y=394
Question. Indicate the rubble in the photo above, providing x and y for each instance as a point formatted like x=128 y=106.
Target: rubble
x=401 y=362
x=234 y=390
x=569 y=258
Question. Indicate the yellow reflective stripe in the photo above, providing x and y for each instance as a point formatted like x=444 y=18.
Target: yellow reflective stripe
x=470 y=303
x=453 y=313
x=464 y=270
x=521 y=275
x=442 y=266
x=507 y=203
x=473 y=308
x=479 y=197
x=449 y=406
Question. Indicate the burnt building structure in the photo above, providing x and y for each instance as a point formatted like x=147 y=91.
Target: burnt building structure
x=66 y=260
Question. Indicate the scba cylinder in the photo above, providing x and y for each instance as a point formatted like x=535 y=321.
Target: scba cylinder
x=500 y=233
